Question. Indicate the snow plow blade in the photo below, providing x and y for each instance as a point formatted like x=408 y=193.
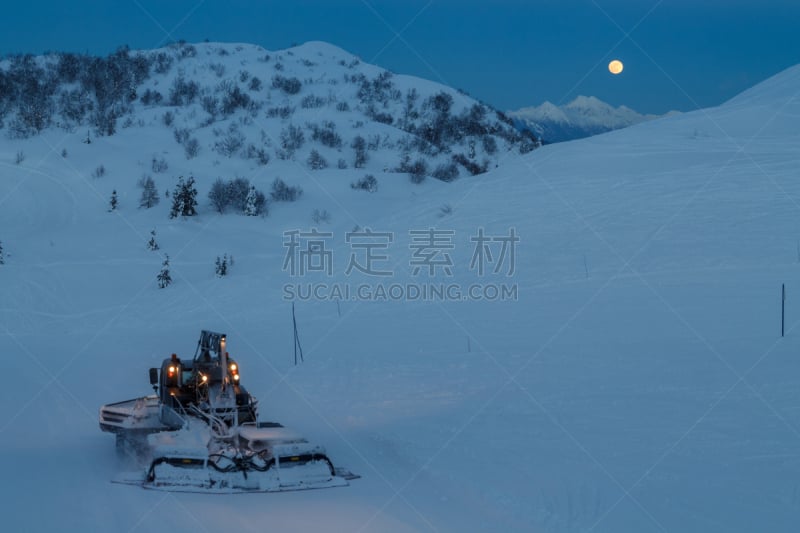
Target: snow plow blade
x=266 y=459
x=187 y=474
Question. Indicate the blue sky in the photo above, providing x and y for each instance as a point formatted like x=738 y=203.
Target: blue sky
x=678 y=54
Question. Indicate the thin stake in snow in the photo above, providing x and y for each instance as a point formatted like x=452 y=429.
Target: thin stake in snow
x=783 y=306
x=297 y=346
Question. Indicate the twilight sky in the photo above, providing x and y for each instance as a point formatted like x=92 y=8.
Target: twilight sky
x=678 y=54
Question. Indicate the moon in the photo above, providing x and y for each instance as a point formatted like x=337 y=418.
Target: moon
x=615 y=67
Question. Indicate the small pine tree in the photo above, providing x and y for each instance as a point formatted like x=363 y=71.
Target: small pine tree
x=221 y=266
x=152 y=244
x=251 y=203
x=164 y=279
x=184 y=199
x=190 y=201
x=2 y=260
x=113 y=203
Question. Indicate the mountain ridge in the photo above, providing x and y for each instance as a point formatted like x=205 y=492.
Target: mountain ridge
x=584 y=116
x=284 y=104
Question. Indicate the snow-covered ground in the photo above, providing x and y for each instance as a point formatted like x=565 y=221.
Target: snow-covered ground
x=638 y=383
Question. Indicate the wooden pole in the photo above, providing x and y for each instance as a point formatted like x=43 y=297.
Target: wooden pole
x=783 y=307
x=294 y=335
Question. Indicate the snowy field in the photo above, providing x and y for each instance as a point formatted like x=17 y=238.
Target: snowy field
x=638 y=383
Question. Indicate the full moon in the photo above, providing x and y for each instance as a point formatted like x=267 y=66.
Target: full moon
x=615 y=67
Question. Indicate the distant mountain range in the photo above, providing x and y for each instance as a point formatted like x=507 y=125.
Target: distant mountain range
x=583 y=117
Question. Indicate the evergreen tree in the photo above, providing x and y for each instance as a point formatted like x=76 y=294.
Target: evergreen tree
x=2 y=260
x=113 y=203
x=184 y=199
x=164 y=279
x=152 y=244
x=221 y=266
x=251 y=204
x=149 y=196
x=190 y=194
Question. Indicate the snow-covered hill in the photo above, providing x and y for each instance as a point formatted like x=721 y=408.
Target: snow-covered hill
x=314 y=104
x=638 y=382
x=583 y=117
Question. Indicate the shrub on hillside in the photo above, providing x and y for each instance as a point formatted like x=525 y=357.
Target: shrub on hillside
x=316 y=161
x=367 y=183
x=446 y=172
x=284 y=193
x=237 y=194
x=287 y=85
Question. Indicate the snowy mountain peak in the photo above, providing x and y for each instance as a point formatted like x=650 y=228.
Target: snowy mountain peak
x=587 y=102
x=582 y=117
x=546 y=111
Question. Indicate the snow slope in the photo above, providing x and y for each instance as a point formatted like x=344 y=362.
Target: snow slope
x=638 y=383
x=583 y=117
x=310 y=104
